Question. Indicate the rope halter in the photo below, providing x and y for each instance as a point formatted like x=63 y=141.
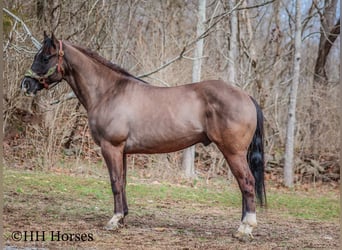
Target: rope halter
x=58 y=67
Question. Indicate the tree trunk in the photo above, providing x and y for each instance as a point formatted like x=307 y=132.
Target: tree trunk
x=188 y=162
x=291 y=122
x=233 y=45
x=329 y=33
x=323 y=52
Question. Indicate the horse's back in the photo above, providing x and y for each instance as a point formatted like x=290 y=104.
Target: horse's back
x=157 y=120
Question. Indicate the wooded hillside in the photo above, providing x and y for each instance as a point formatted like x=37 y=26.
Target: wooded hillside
x=155 y=40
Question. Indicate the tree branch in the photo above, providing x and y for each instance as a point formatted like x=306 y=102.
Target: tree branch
x=242 y=8
x=34 y=40
x=323 y=52
x=69 y=96
x=334 y=32
x=192 y=42
x=256 y=6
x=165 y=64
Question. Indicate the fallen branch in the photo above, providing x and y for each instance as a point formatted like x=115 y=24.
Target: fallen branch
x=69 y=96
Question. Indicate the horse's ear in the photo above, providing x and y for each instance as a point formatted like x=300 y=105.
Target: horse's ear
x=53 y=38
x=45 y=35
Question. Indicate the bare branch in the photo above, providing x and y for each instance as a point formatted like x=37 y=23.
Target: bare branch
x=34 y=40
x=333 y=33
x=242 y=8
x=165 y=64
x=192 y=42
x=10 y=35
x=69 y=96
x=256 y=6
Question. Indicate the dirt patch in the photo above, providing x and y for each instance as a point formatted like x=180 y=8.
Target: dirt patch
x=168 y=225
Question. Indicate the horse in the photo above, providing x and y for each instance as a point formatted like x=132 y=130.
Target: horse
x=126 y=115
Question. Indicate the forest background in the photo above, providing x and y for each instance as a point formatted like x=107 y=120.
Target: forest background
x=144 y=36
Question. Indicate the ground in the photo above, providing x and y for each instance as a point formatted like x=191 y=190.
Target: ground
x=163 y=215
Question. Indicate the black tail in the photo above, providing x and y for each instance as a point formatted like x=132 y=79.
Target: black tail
x=255 y=157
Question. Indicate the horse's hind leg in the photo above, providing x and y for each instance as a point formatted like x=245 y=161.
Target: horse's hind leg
x=240 y=169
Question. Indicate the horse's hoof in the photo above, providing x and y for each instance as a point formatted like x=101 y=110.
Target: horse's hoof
x=113 y=226
x=243 y=237
x=115 y=223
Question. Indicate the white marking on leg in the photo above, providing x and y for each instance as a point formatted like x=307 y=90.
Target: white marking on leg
x=245 y=229
x=250 y=219
x=114 y=224
x=247 y=224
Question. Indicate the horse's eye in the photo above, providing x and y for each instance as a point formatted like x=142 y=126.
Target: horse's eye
x=45 y=59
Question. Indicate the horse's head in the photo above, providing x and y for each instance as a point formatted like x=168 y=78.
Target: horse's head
x=46 y=70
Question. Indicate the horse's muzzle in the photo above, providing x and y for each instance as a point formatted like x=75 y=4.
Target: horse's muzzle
x=30 y=86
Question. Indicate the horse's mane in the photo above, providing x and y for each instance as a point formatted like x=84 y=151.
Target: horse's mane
x=105 y=62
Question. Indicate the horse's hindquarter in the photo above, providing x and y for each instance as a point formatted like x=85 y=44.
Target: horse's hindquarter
x=230 y=116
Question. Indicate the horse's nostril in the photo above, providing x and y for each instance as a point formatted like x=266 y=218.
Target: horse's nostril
x=25 y=85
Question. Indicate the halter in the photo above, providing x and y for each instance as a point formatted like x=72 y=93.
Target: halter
x=42 y=79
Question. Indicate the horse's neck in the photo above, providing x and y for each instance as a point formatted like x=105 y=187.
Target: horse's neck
x=84 y=78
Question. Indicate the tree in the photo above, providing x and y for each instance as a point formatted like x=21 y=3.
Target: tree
x=233 y=45
x=155 y=39
x=291 y=122
x=330 y=29
x=329 y=32
x=188 y=162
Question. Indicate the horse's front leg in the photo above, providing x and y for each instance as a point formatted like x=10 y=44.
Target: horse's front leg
x=113 y=156
x=124 y=199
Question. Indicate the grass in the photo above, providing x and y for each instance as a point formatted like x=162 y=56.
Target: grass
x=323 y=208
x=71 y=195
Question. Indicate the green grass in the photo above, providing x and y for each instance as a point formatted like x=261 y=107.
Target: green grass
x=324 y=207
x=201 y=195
x=94 y=194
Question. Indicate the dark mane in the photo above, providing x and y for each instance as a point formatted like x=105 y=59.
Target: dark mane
x=105 y=62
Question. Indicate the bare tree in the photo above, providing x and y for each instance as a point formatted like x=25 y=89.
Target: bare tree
x=188 y=162
x=157 y=37
x=291 y=122
x=330 y=29
x=233 y=45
